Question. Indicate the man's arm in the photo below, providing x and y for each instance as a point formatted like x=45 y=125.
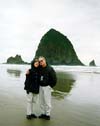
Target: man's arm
x=52 y=77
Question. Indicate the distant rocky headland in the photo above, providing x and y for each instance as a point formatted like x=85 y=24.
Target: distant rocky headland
x=57 y=49
x=15 y=60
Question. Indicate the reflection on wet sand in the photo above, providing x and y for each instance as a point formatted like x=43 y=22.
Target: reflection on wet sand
x=64 y=85
x=65 y=82
x=13 y=72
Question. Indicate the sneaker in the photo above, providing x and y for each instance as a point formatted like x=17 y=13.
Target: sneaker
x=28 y=117
x=47 y=117
x=33 y=116
x=42 y=116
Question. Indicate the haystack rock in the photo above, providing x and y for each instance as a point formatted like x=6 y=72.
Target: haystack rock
x=57 y=49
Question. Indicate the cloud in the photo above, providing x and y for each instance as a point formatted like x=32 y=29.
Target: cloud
x=24 y=22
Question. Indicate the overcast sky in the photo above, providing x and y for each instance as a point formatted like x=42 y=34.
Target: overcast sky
x=24 y=22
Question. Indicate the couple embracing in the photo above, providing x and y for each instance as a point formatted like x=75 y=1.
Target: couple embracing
x=39 y=80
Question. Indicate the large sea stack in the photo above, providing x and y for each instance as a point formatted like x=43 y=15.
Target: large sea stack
x=57 y=49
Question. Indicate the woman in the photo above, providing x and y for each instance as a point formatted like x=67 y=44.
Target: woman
x=32 y=87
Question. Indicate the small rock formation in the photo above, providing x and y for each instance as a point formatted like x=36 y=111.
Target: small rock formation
x=15 y=60
x=92 y=63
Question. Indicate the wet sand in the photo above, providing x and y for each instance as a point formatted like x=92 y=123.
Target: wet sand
x=79 y=105
x=13 y=113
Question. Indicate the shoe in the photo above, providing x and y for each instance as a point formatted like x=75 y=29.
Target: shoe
x=33 y=116
x=28 y=117
x=42 y=116
x=47 y=117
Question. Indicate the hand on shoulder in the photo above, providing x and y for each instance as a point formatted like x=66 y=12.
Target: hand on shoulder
x=27 y=72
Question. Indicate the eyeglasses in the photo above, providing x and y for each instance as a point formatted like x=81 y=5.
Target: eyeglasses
x=40 y=61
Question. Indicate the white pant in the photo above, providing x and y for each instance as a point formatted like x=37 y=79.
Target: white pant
x=31 y=103
x=45 y=99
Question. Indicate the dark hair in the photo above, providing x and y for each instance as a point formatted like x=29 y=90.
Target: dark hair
x=33 y=61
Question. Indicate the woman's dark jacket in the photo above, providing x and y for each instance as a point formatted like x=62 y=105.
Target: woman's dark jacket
x=32 y=81
x=47 y=76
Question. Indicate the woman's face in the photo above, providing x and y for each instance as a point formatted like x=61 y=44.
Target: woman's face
x=36 y=64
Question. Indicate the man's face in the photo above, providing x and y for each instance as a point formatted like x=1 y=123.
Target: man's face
x=42 y=62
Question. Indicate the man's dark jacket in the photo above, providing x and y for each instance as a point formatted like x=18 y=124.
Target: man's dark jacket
x=47 y=76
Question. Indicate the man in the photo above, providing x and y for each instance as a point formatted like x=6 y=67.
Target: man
x=47 y=81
